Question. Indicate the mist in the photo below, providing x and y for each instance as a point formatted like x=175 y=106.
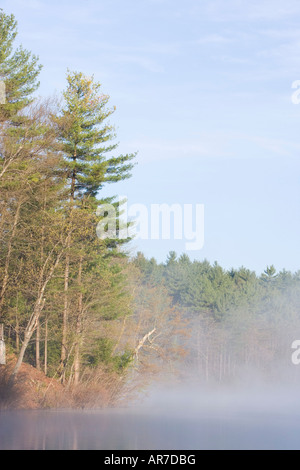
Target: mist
x=253 y=404
x=256 y=409
x=177 y=417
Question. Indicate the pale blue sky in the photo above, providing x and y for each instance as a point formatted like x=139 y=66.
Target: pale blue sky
x=203 y=92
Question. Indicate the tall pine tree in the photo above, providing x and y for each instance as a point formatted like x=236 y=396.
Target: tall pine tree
x=19 y=70
x=87 y=145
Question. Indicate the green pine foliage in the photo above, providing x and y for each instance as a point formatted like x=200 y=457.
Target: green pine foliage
x=207 y=289
x=87 y=136
x=19 y=70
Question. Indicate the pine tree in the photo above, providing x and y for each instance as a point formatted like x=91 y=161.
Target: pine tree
x=86 y=139
x=19 y=70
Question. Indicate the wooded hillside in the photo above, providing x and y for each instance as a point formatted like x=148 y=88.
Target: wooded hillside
x=77 y=307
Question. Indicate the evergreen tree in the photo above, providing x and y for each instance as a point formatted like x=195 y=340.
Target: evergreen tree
x=85 y=137
x=19 y=70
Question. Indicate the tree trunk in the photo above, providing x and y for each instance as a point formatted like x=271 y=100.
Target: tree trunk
x=39 y=305
x=46 y=348
x=28 y=334
x=73 y=178
x=17 y=333
x=8 y=256
x=37 y=346
x=77 y=353
x=2 y=346
x=78 y=328
x=65 y=320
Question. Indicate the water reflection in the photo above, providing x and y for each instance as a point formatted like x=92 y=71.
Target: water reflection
x=271 y=421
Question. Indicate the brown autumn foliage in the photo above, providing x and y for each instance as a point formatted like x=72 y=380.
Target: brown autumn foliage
x=32 y=389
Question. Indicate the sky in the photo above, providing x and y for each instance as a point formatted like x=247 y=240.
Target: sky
x=204 y=93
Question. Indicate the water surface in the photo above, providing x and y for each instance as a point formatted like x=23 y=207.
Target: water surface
x=182 y=420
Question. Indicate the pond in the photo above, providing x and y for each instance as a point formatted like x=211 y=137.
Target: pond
x=177 y=420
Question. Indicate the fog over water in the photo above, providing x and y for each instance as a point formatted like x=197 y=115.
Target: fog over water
x=170 y=418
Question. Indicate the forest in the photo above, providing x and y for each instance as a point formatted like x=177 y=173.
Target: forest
x=84 y=311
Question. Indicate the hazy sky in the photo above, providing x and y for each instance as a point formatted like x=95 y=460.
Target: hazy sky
x=203 y=90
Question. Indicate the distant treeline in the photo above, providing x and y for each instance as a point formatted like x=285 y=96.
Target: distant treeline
x=238 y=319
